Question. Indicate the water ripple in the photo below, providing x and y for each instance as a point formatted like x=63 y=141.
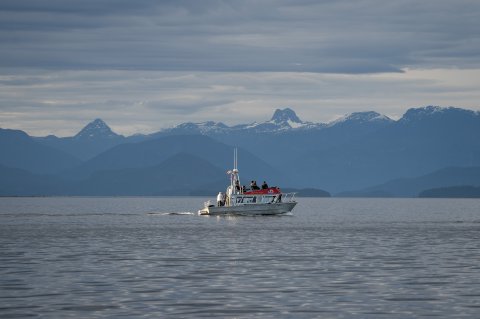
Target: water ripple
x=111 y=258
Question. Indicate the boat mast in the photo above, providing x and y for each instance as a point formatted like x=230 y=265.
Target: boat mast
x=235 y=158
x=235 y=178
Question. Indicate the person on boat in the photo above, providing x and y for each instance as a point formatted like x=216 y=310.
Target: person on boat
x=264 y=185
x=254 y=186
x=237 y=185
x=220 y=199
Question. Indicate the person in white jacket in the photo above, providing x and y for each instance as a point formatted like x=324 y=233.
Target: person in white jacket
x=220 y=199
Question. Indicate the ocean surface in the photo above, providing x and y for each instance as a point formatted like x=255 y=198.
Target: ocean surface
x=155 y=258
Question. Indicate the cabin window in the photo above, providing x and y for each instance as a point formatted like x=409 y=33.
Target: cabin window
x=246 y=199
x=268 y=199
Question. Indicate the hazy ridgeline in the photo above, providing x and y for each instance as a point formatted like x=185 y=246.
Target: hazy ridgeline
x=362 y=154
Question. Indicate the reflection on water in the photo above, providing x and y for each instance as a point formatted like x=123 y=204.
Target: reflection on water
x=153 y=257
x=170 y=213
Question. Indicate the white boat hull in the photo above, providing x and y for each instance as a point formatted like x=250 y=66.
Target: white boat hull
x=249 y=209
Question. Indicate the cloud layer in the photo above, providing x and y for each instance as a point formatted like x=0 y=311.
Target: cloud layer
x=302 y=36
x=61 y=102
x=149 y=64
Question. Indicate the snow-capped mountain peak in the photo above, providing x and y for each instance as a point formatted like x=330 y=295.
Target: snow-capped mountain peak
x=281 y=120
x=287 y=119
x=361 y=117
x=286 y=115
x=421 y=112
x=428 y=112
x=96 y=129
x=202 y=127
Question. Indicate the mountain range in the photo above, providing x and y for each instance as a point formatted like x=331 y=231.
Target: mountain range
x=359 y=154
x=452 y=192
x=93 y=139
x=411 y=187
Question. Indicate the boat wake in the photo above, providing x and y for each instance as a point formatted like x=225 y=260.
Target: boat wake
x=170 y=213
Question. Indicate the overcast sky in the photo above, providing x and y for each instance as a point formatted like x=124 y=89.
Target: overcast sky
x=144 y=65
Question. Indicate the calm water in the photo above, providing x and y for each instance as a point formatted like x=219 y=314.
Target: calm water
x=151 y=257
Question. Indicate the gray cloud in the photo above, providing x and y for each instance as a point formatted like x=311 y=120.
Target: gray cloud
x=146 y=101
x=296 y=36
x=146 y=64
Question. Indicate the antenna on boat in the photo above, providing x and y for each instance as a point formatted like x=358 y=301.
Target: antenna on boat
x=235 y=154
x=235 y=179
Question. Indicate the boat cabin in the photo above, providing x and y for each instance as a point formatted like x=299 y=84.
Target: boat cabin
x=238 y=200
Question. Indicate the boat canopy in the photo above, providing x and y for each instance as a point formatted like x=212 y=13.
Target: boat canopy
x=267 y=191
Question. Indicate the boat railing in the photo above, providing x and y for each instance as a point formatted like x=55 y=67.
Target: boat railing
x=242 y=199
x=288 y=197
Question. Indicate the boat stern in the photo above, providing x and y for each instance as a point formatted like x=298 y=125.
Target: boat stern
x=204 y=211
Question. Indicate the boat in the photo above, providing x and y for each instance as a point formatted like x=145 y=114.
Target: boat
x=238 y=200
